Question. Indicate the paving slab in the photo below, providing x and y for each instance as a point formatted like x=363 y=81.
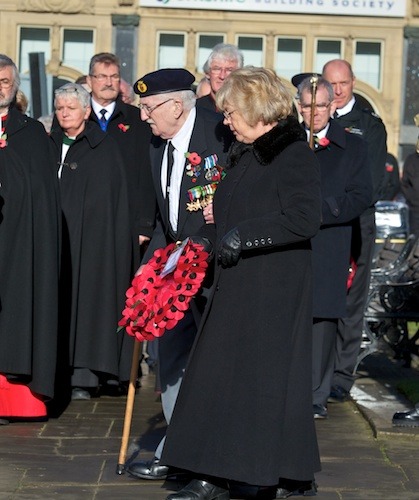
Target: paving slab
x=75 y=455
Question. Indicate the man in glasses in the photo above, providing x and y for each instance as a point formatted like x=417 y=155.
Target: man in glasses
x=346 y=191
x=188 y=144
x=121 y=121
x=224 y=59
x=132 y=135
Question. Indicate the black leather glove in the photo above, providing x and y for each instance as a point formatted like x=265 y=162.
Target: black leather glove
x=230 y=248
x=204 y=242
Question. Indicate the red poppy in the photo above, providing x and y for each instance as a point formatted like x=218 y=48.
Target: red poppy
x=154 y=303
x=123 y=127
x=324 y=141
x=194 y=159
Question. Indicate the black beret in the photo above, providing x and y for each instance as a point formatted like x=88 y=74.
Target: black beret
x=297 y=79
x=163 y=81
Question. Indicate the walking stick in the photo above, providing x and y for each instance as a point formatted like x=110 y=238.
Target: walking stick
x=120 y=468
x=313 y=81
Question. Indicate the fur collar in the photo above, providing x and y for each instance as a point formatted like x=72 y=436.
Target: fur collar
x=270 y=145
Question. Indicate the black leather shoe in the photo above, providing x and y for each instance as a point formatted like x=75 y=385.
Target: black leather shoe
x=338 y=394
x=200 y=490
x=148 y=470
x=407 y=418
x=296 y=488
x=319 y=411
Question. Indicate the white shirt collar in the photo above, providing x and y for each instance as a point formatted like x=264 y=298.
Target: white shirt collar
x=320 y=134
x=347 y=108
x=110 y=108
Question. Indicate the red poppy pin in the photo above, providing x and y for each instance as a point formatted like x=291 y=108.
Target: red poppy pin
x=123 y=127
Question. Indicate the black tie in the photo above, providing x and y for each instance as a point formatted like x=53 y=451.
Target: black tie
x=102 y=119
x=335 y=114
x=169 y=168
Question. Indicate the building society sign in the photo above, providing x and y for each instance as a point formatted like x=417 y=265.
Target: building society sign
x=377 y=8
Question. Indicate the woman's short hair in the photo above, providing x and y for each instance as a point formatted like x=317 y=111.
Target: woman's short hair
x=73 y=90
x=258 y=94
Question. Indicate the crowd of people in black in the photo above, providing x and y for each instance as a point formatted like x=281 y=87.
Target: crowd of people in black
x=86 y=203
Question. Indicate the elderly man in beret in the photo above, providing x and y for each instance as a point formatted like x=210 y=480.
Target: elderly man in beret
x=180 y=131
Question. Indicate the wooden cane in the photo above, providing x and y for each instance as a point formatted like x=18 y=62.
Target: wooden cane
x=120 y=468
x=313 y=81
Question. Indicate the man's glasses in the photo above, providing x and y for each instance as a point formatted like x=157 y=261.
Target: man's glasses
x=103 y=78
x=5 y=83
x=216 y=70
x=305 y=108
x=149 y=110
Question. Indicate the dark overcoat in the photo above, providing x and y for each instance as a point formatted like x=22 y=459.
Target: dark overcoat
x=96 y=250
x=364 y=123
x=346 y=187
x=29 y=251
x=244 y=410
x=209 y=136
x=133 y=138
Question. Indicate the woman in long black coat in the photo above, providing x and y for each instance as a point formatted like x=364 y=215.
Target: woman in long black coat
x=244 y=412
x=96 y=245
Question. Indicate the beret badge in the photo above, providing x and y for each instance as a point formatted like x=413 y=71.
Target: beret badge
x=142 y=87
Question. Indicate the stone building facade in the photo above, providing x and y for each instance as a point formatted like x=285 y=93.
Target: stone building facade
x=379 y=37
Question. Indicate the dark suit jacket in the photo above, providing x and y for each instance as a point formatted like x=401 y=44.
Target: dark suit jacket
x=207 y=102
x=209 y=136
x=346 y=192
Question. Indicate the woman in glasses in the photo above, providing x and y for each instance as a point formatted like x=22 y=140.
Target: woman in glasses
x=96 y=242
x=244 y=412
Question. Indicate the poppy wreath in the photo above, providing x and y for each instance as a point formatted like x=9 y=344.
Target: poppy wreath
x=155 y=303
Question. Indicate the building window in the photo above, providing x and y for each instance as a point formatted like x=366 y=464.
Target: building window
x=171 y=50
x=33 y=40
x=205 y=45
x=289 y=57
x=325 y=51
x=367 y=62
x=411 y=73
x=252 y=48
x=77 y=49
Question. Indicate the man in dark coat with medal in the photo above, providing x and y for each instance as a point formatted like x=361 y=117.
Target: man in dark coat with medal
x=346 y=192
x=188 y=149
x=29 y=251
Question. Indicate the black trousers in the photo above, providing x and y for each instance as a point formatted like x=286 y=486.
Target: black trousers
x=324 y=341
x=349 y=336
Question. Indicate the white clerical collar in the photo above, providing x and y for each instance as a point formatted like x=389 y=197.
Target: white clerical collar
x=347 y=108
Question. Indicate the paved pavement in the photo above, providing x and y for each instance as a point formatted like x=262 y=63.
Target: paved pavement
x=75 y=456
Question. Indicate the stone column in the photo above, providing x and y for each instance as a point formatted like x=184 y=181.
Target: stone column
x=126 y=43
